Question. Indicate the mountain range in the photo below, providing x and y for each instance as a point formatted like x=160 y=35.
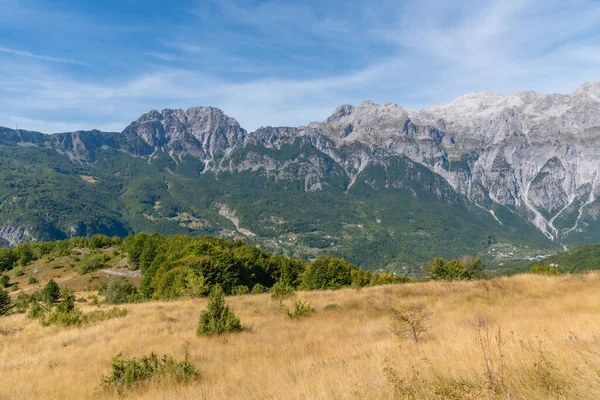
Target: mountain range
x=380 y=184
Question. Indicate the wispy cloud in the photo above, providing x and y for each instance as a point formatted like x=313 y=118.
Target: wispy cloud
x=271 y=63
x=162 y=56
x=25 y=53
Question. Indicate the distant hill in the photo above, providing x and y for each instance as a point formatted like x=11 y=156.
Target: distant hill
x=579 y=259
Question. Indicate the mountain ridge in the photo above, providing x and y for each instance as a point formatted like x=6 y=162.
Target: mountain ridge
x=530 y=155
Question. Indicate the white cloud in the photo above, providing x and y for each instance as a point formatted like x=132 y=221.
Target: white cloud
x=25 y=53
x=442 y=50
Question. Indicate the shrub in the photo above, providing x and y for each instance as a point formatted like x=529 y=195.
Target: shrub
x=240 y=290
x=5 y=302
x=133 y=372
x=92 y=263
x=99 y=241
x=301 y=309
x=18 y=271
x=118 y=290
x=328 y=272
x=196 y=285
x=543 y=270
x=22 y=303
x=5 y=281
x=466 y=269
x=24 y=254
x=32 y=280
x=65 y=314
x=8 y=259
x=281 y=291
x=217 y=318
x=360 y=278
x=51 y=292
x=258 y=289
x=386 y=278
x=94 y=300
x=171 y=284
x=103 y=315
x=332 y=307
x=36 y=311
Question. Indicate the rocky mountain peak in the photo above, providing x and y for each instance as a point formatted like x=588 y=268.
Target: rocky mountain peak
x=200 y=131
x=341 y=111
x=589 y=88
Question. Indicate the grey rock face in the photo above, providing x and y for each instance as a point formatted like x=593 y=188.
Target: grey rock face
x=202 y=132
x=536 y=154
x=12 y=235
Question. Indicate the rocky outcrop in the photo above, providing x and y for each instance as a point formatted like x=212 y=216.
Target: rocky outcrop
x=13 y=235
x=536 y=154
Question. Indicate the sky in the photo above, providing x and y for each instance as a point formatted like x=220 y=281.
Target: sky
x=70 y=65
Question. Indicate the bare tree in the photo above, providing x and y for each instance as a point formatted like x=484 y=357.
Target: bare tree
x=411 y=321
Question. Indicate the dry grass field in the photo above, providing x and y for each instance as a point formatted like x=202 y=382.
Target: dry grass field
x=521 y=337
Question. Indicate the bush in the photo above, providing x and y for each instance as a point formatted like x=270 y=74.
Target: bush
x=240 y=290
x=119 y=290
x=386 y=278
x=328 y=272
x=129 y=373
x=32 y=280
x=332 y=307
x=301 y=309
x=466 y=269
x=36 y=311
x=196 y=285
x=102 y=241
x=5 y=281
x=258 y=289
x=217 y=318
x=51 y=292
x=92 y=263
x=102 y=315
x=65 y=314
x=23 y=302
x=7 y=259
x=280 y=291
x=24 y=254
x=543 y=270
x=18 y=271
x=5 y=302
x=94 y=300
x=171 y=284
x=360 y=278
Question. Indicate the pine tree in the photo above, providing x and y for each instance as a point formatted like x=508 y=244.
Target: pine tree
x=51 y=292
x=5 y=302
x=217 y=318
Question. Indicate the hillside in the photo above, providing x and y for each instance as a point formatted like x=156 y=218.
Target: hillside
x=579 y=259
x=547 y=351
x=45 y=195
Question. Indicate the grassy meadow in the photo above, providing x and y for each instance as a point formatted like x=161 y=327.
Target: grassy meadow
x=519 y=337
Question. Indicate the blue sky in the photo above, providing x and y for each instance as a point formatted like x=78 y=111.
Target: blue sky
x=67 y=65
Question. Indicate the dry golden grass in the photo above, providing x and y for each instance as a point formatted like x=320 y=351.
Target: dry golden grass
x=550 y=333
x=65 y=272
